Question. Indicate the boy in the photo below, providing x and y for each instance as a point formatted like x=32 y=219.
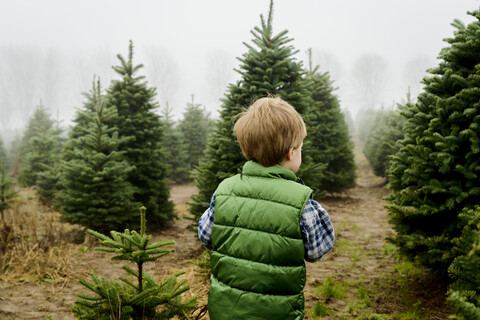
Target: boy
x=262 y=223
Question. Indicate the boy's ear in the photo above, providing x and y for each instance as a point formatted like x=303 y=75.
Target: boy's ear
x=289 y=155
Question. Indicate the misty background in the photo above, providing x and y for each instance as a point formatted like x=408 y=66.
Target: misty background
x=51 y=49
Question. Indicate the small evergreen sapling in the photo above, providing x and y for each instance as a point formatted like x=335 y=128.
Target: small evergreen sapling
x=145 y=299
x=174 y=149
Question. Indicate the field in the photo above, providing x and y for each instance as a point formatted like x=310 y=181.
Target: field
x=362 y=278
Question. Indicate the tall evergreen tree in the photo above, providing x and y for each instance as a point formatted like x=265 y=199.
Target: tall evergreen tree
x=195 y=127
x=12 y=156
x=39 y=122
x=328 y=134
x=464 y=293
x=83 y=116
x=174 y=148
x=435 y=175
x=3 y=153
x=138 y=121
x=383 y=139
x=94 y=188
x=268 y=67
x=7 y=192
x=40 y=147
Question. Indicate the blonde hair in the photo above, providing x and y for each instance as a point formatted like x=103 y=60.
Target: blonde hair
x=268 y=129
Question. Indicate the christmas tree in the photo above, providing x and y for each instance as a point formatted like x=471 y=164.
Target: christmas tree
x=435 y=175
x=138 y=122
x=145 y=299
x=94 y=188
x=195 y=127
x=267 y=68
x=328 y=134
x=40 y=147
x=7 y=193
x=383 y=139
x=174 y=148
x=464 y=293
x=3 y=153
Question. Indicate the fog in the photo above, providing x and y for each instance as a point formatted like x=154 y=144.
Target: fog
x=50 y=49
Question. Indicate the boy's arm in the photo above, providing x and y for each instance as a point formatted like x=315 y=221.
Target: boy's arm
x=205 y=225
x=317 y=231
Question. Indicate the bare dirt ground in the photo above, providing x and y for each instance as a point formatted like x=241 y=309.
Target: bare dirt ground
x=362 y=261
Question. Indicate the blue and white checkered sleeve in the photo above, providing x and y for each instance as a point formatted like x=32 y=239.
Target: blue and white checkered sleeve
x=205 y=225
x=317 y=231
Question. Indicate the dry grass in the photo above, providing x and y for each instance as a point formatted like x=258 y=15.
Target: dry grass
x=35 y=245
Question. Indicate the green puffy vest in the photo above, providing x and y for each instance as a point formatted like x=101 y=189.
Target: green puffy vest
x=258 y=269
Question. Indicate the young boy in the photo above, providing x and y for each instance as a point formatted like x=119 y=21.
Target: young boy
x=263 y=223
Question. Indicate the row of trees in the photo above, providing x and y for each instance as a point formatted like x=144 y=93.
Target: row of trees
x=121 y=153
x=118 y=155
x=430 y=152
x=383 y=135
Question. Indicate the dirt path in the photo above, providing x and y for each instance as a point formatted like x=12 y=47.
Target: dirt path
x=359 y=263
x=361 y=225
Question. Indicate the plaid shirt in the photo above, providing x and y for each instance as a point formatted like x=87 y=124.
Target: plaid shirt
x=315 y=225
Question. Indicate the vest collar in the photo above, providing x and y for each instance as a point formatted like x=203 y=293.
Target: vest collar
x=252 y=168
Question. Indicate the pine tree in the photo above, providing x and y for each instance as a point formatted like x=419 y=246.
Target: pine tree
x=195 y=127
x=94 y=188
x=39 y=122
x=3 y=153
x=83 y=116
x=145 y=299
x=268 y=67
x=48 y=181
x=40 y=147
x=464 y=293
x=383 y=139
x=138 y=122
x=13 y=157
x=349 y=121
x=435 y=175
x=174 y=148
x=7 y=192
x=328 y=134
x=364 y=122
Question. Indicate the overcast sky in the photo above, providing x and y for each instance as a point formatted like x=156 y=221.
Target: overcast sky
x=189 y=46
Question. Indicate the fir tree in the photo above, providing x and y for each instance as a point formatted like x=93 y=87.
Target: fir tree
x=195 y=127
x=364 y=122
x=268 y=67
x=328 y=134
x=48 y=181
x=175 y=153
x=83 y=116
x=464 y=293
x=3 y=153
x=7 y=192
x=435 y=175
x=40 y=147
x=13 y=157
x=94 y=188
x=383 y=139
x=349 y=121
x=138 y=122
x=39 y=122
x=145 y=299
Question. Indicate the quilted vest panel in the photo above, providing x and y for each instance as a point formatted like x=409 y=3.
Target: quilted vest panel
x=258 y=269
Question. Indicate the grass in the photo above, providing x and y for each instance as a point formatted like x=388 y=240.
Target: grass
x=320 y=310
x=36 y=246
x=332 y=289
